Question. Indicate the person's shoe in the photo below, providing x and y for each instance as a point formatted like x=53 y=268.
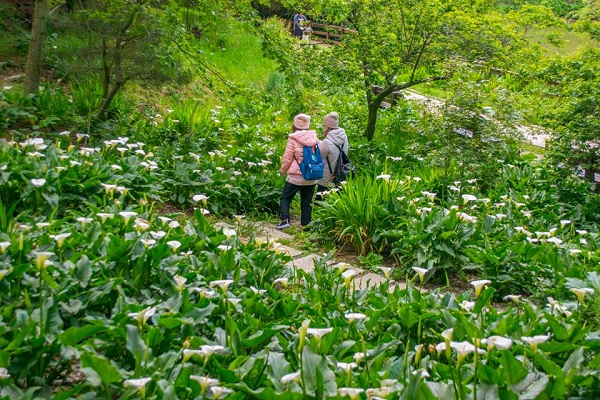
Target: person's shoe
x=283 y=224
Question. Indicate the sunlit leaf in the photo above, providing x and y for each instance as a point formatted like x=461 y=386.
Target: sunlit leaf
x=102 y=366
x=75 y=335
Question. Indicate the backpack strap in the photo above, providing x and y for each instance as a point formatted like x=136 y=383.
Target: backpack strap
x=339 y=148
x=328 y=163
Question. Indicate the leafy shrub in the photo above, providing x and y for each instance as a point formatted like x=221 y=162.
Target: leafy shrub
x=59 y=180
x=356 y=214
x=17 y=111
x=53 y=106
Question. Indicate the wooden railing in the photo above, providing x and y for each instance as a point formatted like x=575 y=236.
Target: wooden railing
x=326 y=33
x=329 y=33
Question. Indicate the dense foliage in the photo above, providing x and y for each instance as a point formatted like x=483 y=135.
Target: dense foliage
x=116 y=280
x=107 y=298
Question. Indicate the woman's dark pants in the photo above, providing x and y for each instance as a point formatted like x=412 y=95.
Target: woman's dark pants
x=306 y=197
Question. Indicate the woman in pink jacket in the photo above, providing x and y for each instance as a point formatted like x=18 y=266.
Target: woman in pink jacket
x=290 y=166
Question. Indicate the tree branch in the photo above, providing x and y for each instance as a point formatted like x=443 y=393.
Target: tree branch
x=206 y=67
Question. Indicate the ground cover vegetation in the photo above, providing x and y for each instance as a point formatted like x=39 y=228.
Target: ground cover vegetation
x=115 y=282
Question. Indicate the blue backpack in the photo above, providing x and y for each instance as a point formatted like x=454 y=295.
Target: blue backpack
x=312 y=165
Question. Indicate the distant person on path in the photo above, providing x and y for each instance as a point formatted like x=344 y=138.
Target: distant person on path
x=299 y=20
x=334 y=137
x=290 y=166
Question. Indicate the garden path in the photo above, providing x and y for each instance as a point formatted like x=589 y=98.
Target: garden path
x=306 y=260
x=532 y=134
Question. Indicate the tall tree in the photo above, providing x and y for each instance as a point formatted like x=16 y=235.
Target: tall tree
x=35 y=54
x=398 y=44
x=577 y=138
x=145 y=40
x=131 y=41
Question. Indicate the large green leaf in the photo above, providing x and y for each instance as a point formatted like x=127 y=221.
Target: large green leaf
x=487 y=392
x=92 y=233
x=71 y=393
x=573 y=364
x=4 y=359
x=75 y=335
x=558 y=329
x=447 y=234
x=278 y=367
x=259 y=337
x=316 y=375
x=107 y=372
x=268 y=393
x=440 y=390
x=52 y=319
x=83 y=271
x=513 y=370
x=530 y=387
x=487 y=374
x=135 y=344
x=200 y=314
x=167 y=389
x=483 y=299
x=550 y=367
x=49 y=280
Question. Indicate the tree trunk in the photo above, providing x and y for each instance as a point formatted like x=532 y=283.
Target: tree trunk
x=109 y=93
x=35 y=54
x=373 y=103
x=373 y=108
x=108 y=99
x=105 y=69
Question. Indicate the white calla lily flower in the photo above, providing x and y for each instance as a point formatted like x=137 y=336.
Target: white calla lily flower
x=354 y=316
x=291 y=377
x=479 y=285
x=581 y=292
x=38 y=182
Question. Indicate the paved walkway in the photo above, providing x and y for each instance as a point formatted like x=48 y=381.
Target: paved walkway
x=306 y=261
x=532 y=134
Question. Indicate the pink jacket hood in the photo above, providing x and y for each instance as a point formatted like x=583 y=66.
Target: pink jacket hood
x=292 y=156
x=304 y=138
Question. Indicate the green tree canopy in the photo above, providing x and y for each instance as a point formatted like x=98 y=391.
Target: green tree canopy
x=132 y=40
x=399 y=44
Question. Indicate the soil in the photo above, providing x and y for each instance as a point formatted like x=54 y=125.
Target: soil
x=7 y=74
x=168 y=208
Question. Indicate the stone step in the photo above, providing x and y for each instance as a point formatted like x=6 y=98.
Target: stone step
x=290 y=251
x=306 y=264
x=361 y=280
x=272 y=233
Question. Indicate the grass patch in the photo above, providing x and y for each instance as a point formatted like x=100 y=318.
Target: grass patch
x=237 y=53
x=572 y=41
x=528 y=148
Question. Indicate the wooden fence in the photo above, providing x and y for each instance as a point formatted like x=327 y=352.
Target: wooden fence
x=325 y=33
x=329 y=33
